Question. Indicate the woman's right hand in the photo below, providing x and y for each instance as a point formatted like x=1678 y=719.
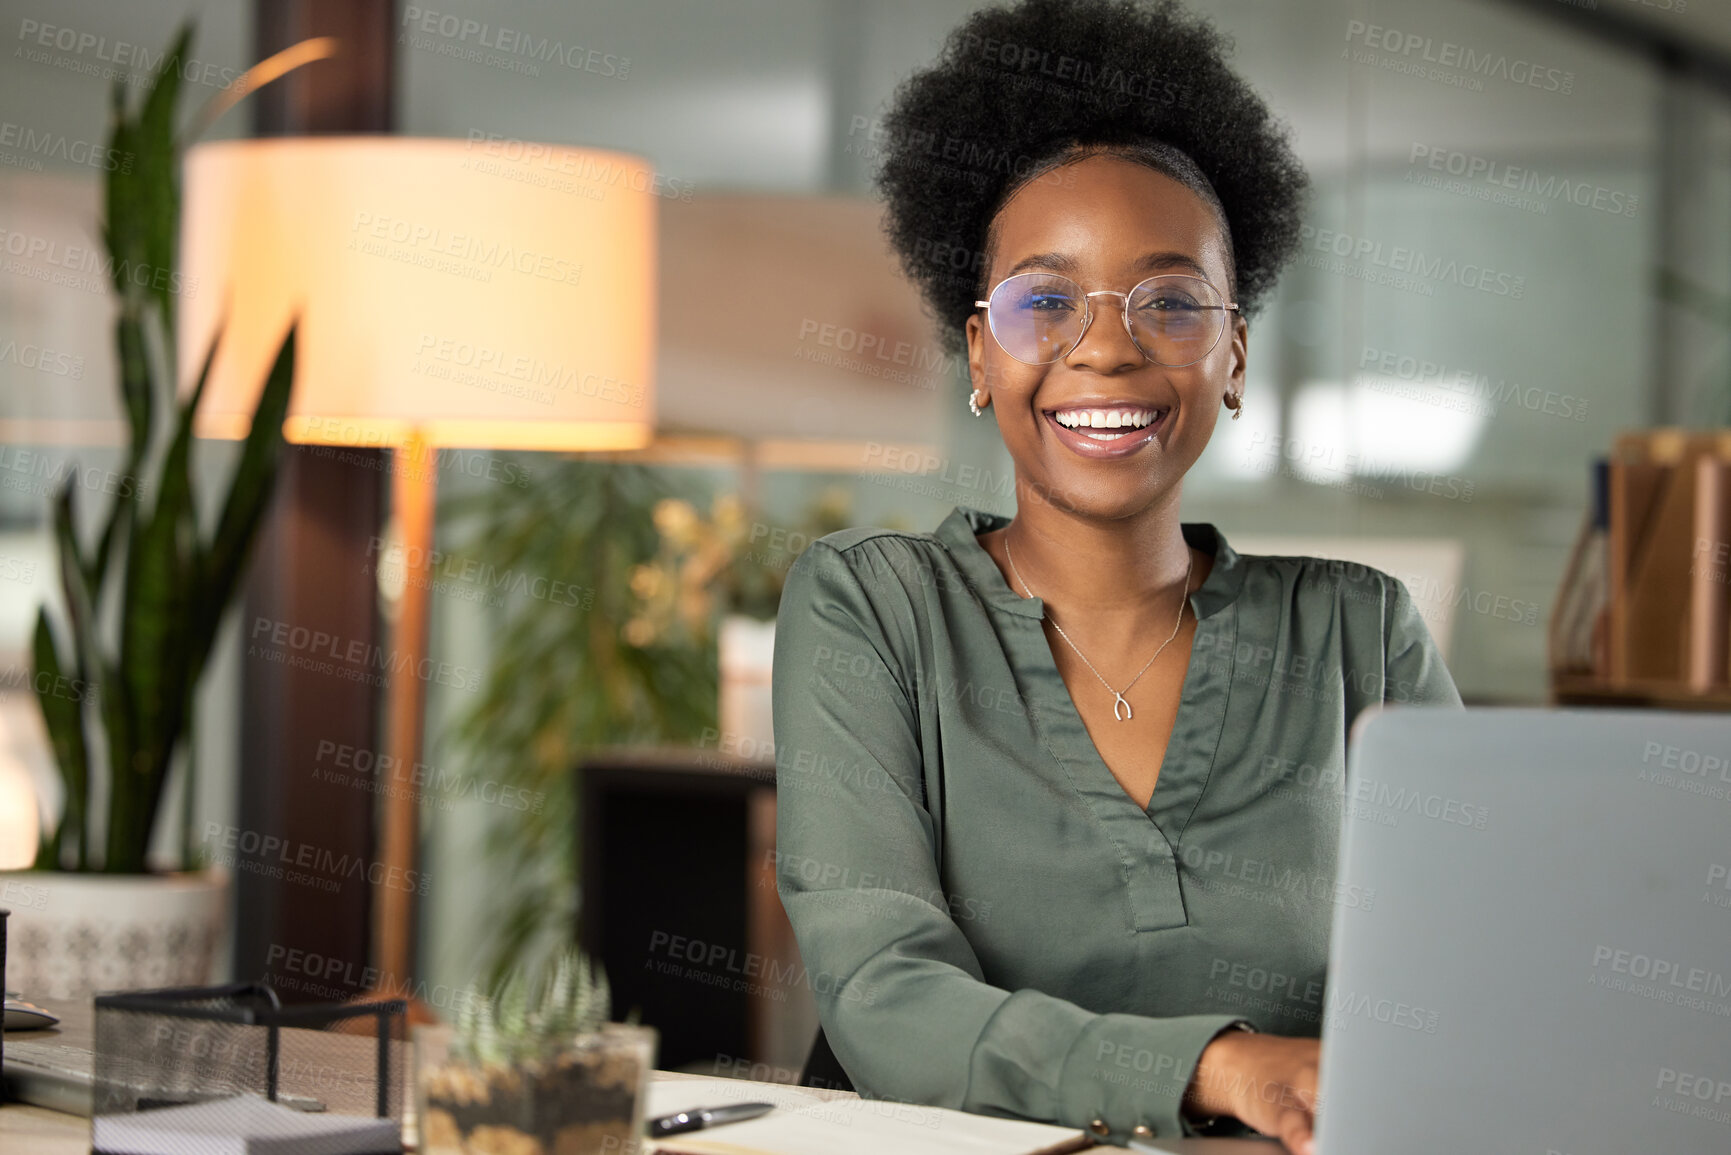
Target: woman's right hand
x=1266 y=1081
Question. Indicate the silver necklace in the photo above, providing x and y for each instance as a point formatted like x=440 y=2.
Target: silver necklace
x=1117 y=695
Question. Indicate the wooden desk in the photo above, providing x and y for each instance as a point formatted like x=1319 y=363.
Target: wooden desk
x=38 y=1131
x=42 y=1132
x=25 y=1128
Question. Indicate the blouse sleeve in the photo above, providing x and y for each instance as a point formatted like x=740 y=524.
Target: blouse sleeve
x=900 y=993
x=1415 y=673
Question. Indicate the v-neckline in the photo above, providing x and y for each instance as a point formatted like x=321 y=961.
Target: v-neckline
x=1144 y=839
x=1196 y=728
x=1184 y=697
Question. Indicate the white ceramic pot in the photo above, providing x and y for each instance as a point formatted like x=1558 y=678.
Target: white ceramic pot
x=72 y=935
x=747 y=647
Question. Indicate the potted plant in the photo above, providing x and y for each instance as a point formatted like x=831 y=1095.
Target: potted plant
x=723 y=574
x=566 y=680
x=563 y=679
x=534 y=1068
x=116 y=680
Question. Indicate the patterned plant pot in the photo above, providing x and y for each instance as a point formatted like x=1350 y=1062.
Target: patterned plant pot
x=72 y=935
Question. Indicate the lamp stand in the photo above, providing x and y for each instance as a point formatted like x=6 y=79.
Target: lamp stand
x=414 y=492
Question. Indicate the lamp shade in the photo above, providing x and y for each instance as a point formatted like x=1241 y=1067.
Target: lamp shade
x=446 y=293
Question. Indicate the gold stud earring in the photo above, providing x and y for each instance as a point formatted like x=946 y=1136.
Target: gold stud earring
x=1235 y=402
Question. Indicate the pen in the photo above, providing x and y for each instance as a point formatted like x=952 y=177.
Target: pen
x=698 y=1118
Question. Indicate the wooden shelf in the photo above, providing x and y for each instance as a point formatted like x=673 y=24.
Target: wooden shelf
x=1653 y=693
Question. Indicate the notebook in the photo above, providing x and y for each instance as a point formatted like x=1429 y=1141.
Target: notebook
x=803 y=1122
x=243 y=1125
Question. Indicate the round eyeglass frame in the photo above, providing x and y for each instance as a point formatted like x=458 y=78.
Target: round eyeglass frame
x=1123 y=313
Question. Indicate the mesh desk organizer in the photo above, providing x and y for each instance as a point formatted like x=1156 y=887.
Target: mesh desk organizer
x=229 y=1069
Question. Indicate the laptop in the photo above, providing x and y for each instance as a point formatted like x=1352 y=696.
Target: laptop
x=1547 y=967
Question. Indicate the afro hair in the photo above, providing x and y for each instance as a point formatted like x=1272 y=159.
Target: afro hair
x=1019 y=90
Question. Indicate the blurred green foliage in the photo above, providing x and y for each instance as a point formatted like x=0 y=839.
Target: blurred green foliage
x=564 y=680
x=636 y=664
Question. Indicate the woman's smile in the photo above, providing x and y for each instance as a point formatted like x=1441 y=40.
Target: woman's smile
x=1107 y=429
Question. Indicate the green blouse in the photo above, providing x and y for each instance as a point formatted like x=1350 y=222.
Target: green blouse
x=989 y=921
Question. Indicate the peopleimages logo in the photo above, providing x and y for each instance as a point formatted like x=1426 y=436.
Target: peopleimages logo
x=531 y=371
x=1718 y=890
x=30 y=356
x=720 y=965
x=352 y=659
x=1411 y=263
x=39 y=473
x=58 y=146
x=276 y=857
x=1451 y=59
x=1242 y=984
x=817 y=874
x=1542 y=188
x=1686 y=1093
x=1477 y=392
x=1394 y=800
x=1668 y=972
x=593 y=171
x=379 y=773
x=1433 y=591
x=132 y=62
x=83 y=259
x=466 y=254
x=1285 y=880
x=512 y=42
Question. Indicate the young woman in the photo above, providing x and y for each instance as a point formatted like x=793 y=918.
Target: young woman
x=1060 y=794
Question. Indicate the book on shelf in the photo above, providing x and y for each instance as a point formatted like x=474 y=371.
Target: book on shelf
x=1709 y=567
x=1665 y=587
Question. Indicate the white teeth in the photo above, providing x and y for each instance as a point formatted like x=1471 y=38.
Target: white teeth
x=1105 y=418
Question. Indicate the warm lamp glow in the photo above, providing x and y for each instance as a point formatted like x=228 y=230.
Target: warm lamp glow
x=464 y=298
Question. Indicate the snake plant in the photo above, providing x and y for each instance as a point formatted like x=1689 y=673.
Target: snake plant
x=153 y=571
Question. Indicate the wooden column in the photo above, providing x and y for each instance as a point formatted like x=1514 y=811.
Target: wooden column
x=309 y=570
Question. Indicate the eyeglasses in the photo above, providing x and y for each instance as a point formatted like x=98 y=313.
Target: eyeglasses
x=1038 y=318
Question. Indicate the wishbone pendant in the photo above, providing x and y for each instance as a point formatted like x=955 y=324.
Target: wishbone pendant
x=1117 y=695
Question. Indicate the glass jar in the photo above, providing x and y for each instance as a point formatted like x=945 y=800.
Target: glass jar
x=583 y=1097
